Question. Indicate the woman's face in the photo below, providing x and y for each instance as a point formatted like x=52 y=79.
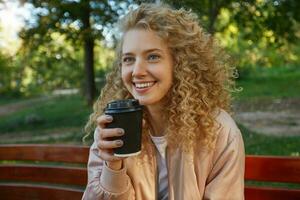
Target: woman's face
x=147 y=66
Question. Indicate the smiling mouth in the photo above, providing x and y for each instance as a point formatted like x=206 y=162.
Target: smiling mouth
x=144 y=85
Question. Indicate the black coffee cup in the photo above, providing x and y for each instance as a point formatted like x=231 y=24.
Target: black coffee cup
x=128 y=115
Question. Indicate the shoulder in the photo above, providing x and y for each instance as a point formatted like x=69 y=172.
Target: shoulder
x=226 y=128
x=228 y=143
x=228 y=136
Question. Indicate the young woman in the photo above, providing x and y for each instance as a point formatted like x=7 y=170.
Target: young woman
x=191 y=149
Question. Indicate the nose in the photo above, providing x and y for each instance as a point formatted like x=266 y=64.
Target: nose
x=139 y=68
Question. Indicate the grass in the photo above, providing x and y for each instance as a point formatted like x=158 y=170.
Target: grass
x=272 y=184
x=7 y=100
x=268 y=84
x=67 y=115
x=68 y=111
x=281 y=82
x=259 y=144
x=68 y=135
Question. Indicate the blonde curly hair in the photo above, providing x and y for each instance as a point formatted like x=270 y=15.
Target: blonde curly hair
x=202 y=77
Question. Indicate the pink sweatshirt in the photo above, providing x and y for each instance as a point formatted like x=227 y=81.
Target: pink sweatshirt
x=209 y=175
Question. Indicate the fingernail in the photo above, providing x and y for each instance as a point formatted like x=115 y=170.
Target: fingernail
x=109 y=118
x=120 y=131
x=119 y=143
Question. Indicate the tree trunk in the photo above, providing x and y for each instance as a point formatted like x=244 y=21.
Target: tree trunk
x=90 y=88
x=213 y=13
x=88 y=40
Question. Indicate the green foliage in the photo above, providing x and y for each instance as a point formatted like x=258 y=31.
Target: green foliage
x=253 y=17
x=5 y=69
x=54 y=65
x=249 y=54
x=252 y=41
x=256 y=33
x=74 y=19
x=58 y=65
x=258 y=16
x=81 y=22
x=9 y=84
x=207 y=10
x=104 y=58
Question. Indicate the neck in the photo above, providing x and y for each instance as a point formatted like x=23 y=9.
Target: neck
x=156 y=120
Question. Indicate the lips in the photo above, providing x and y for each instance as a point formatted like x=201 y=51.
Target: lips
x=142 y=87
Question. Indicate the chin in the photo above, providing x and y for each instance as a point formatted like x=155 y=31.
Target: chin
x=145 y=101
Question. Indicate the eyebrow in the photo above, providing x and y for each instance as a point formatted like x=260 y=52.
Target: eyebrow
x=147 y=51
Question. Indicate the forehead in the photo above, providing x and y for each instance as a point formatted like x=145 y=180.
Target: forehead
x=140 y=40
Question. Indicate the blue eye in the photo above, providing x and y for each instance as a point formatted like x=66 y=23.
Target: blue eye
x=153 y=57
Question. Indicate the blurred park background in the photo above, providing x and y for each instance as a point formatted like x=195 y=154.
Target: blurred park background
x=54 y=56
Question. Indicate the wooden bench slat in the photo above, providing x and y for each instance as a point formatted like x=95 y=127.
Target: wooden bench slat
x=271 y=168
x=44 y=152
x=65 y=177
x=31 y=192
x=49 y=174
x=253 y=193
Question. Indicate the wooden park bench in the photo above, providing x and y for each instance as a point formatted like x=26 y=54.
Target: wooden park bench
x=272 y=169
x=59 y=172
x=42 y=172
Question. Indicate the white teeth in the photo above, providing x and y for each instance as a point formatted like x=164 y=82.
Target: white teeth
x=144 y=85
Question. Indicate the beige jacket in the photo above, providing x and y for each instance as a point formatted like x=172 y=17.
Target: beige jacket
x=214 y=175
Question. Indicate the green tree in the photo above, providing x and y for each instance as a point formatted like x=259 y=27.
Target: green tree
x=255 y=32
x=81 y=21
x=7 y=71
x=253 y=17
x=55 y=64
x=207 y=10
x=58 y=64
x=9 y=76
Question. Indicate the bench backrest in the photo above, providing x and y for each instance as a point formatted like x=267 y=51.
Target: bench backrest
x=273 y=169
x=59 y=172
x=42 y=171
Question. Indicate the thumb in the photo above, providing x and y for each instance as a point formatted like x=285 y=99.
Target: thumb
x=144 y=123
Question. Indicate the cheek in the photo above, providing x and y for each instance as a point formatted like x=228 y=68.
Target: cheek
x=167 y=74
x=126 y=77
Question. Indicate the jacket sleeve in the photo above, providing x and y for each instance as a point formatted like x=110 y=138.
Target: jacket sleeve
x=105 y=183
x=226 y=178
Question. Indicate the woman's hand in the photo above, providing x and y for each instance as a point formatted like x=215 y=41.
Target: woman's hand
x=105 y=145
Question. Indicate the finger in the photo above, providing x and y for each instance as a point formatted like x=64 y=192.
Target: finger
x=104 y=119
x=110 y=132
x=103 y=144
x=104 y=155
x=144 y=123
